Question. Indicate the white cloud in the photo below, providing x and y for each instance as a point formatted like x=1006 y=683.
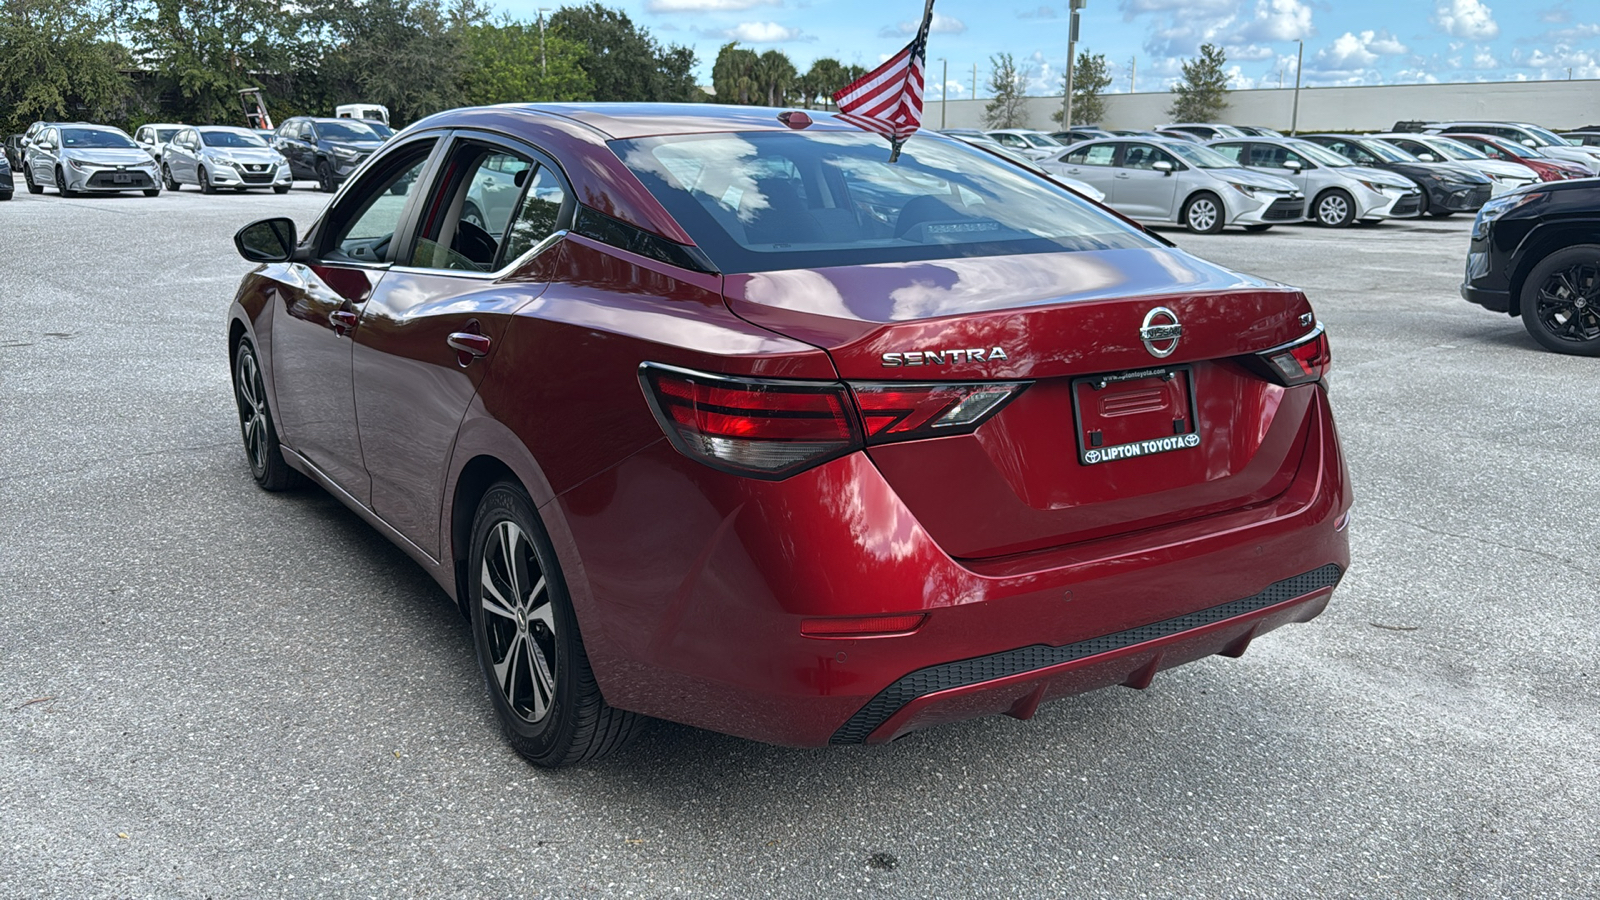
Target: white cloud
x=1279 y=20
x=1468 y=19
x=762 y=33
x=673 y=6
x=1351 y=51
x=1043 y=12
x=941 y=24
x=1483 y=58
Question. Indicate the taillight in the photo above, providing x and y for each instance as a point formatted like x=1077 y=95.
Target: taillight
x=896 y=411
x=751 y=426
x=1298 y=362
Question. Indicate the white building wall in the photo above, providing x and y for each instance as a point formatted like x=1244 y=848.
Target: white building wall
x=1555 y=104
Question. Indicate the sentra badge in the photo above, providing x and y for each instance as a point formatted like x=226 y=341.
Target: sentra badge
x=943 y=357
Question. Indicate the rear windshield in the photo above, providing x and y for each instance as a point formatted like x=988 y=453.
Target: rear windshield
x=231 y=139
x=784 y=200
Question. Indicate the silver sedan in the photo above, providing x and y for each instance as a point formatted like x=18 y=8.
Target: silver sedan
x=1341 y=192
x=77 y=159
x=1181 y=183
x=217 y=156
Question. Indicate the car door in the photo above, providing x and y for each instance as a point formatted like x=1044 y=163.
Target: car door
x=40 y=162
x=319 y=306
x=179 y=159
x=1141 y=190
x=1093 y=164
x=432 y=327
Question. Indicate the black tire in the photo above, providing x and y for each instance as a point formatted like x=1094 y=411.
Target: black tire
x=1441 y=213
x=152 y=192
x=6 y=196
x=280 y=189
x=261 y=448
x=1204 y=213
x=206 y=187
x=61 y=184
x=27 y=179
x=527 y=640
x=1257 y=229
x=1560 y=301
x=325 y=181
x=1334 y=208
x=167 y=179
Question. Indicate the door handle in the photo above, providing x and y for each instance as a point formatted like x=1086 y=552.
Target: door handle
x=1122 y=174
x=468 y=347
x=343 y=321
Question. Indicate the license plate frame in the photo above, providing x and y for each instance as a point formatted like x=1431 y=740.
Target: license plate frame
x=122 y=178
x=1176 y=383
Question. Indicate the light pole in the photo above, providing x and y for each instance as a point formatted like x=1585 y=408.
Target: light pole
x=1133 y=75
x=1294 y=121
x=1072 y=54
x=944 y=91
x=544 y=69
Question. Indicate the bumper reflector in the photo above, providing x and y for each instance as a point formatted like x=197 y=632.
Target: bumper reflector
x=861 y=626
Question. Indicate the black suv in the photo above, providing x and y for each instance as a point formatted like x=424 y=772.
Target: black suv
x=327 y=150
x=1536 y=253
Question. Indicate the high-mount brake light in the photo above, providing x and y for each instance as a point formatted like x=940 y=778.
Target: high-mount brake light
x=898 y=411
x=1302 y=361
x=751 y=426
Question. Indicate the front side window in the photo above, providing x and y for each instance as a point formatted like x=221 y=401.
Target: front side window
x=1145 y=156
x=760 y=201
x=364 y=223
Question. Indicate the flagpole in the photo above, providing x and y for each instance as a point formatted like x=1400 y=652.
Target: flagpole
x=922 y=51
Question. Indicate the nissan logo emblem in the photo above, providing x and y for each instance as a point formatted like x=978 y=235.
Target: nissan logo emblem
x=1160 y=328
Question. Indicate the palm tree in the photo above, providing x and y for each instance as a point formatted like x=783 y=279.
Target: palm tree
x=774 y=76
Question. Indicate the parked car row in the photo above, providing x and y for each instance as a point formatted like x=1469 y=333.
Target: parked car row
x=77 y=157
x=1207 y=176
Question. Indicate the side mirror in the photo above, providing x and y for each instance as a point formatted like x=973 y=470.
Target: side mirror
x=1528 y=142
x=269 y=240
x=1427 y=157
x=1162 y=166
x=44 y=145
x=1293 y=165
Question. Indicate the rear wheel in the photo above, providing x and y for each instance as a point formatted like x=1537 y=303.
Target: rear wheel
x=27 y=178
x=1334 y=209
x=256 y=425
x=280 y=189
x=527 y=640
x=167 y=179
x=1204 y=214
x=1561 y=301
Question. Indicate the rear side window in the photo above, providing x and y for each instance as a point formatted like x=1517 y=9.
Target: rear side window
x=492 y=206
x=1234 y=152
x=1096 y=155
x=779 y=200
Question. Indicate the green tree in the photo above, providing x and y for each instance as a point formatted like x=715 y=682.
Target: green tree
x=821 y=81
x=1202 y=95
x=204 y=51
x=775 y=76
x=58 y=64
x=408 y=55
x=733 y=75
x=1008 y=109
x=624 y=62
x=1090 y=77
x=506 y=62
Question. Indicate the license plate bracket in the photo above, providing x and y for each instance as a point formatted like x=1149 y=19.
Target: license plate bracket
x=1126 y=415
x=121 y=178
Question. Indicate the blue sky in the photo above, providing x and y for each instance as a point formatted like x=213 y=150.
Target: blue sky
x=1347 y=41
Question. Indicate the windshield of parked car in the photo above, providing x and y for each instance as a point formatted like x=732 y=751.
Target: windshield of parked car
x=1544 y=137
x=231 y=139
x=95 y=139
x=1199 y=156
x=1042 y=140
x=162 y=135
x=1387 y=153
x=346 y=131
x=1319 y=154
x=779 y=200
x=1451 y=149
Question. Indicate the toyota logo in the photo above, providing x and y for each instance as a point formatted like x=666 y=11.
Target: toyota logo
x=1160 y=332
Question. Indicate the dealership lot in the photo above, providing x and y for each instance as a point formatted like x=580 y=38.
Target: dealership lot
x=207 y=690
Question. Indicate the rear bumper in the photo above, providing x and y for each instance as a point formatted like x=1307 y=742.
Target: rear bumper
x=1488 y=298
x=691 y=587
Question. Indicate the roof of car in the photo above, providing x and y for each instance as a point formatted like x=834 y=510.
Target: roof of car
x=231 y=128
x=624 y=121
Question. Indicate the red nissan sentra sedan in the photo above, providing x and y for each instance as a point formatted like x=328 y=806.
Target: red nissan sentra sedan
x=721 y=415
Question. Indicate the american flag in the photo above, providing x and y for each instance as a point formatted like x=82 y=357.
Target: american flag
x=888 y=100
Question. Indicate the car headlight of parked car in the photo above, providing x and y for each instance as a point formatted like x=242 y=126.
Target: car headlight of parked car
x=1374 y=186
x=345 y=153
x=79 y=164
x=1501 y=205
x=1244 y=189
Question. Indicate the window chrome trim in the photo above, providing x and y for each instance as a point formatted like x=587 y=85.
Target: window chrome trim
x=532 y=253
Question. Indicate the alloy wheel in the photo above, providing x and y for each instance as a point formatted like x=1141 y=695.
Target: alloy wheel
x=1333 y=210
x=1568 y=304
x=1202 y=215
x=250 y=392
x=519 y=622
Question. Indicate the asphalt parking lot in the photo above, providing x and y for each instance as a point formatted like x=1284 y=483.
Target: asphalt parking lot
x=210 y=691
